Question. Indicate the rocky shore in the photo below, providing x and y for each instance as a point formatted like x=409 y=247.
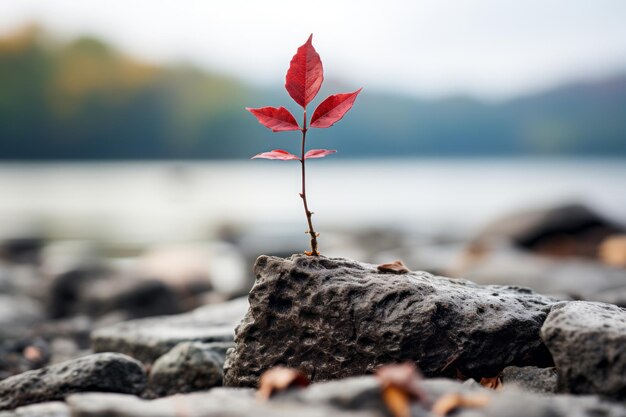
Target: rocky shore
x=93 y=342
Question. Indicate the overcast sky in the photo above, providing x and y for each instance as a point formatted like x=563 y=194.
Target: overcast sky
x=490 y=48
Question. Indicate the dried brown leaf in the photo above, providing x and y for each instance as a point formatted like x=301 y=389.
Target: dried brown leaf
x=279 y=379
x=450 y=402
x=613 y=251
x=400 y=384
x=397 y=401
x=395 y=267
x=494 y=383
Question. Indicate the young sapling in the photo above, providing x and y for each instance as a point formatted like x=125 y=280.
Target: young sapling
x=303 y=81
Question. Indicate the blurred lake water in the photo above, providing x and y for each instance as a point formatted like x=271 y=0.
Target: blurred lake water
x=144 y=202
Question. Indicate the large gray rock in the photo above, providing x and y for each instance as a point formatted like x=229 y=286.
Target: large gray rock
x=110 y=372
x=588 y=343
x=334 y=318
x=147 y=339
x=189 y=366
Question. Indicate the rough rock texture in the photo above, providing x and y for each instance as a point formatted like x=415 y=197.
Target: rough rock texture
x=189 y=366
x=531 y=378
x=587 y=341
x=147 y=339
x=110 y=372
x=334 y=318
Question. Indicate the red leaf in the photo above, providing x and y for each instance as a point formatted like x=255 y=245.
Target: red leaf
x=305 y=74
x=276 y=154
x=331 y=110
x=276 y=118
x=318 y=153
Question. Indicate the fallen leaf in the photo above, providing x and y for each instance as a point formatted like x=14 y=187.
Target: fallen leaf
x=450 y=402
x=279 y=379
x=276 y=154
x=494 y=383
x=613 y=251
x=400 y=385
x=397 y=401
x=395 y=267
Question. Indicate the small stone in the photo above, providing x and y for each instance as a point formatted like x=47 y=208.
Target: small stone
x=189 y=366
x=111 y=372
x=531 y=378
x=17 y=314
x=588 y=343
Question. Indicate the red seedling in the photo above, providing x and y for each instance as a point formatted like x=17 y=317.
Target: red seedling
x=303 y=81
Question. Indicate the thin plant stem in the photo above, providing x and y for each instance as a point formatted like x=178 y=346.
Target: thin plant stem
x=309 y=213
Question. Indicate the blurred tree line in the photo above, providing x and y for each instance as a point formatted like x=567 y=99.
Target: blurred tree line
x=84 y=100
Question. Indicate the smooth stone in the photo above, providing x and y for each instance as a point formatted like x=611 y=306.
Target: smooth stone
x=188 y=367
x=531 y=378
x=109 y=372
x=214 y=403
x=335 y=318
x=148 y=339
x=17 y=314
x=96 y=291
x=357 y=396
x=588 y=343
x=48 y=409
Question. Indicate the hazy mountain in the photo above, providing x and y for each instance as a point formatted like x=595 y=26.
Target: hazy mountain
x=84 y=100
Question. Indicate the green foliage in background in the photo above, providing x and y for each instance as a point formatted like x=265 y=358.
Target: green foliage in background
x=85 y=100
